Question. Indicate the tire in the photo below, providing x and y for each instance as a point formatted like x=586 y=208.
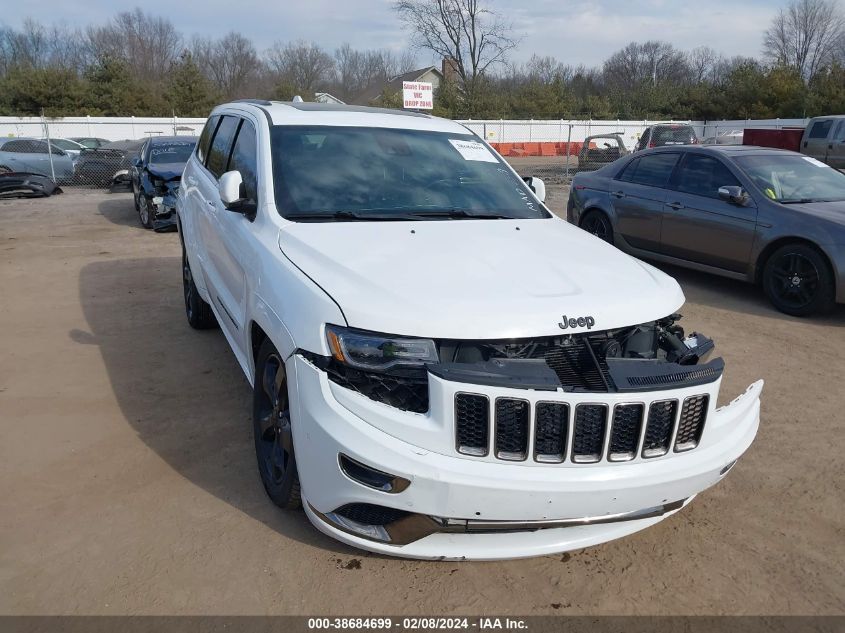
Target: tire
x=798 y=281
x=145 y=212
x=272 y=430
x=200 y=316
x=598 y=224
x=135 y=199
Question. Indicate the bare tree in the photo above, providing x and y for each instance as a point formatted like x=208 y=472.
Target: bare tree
x=467 y=31
x=358 y=70
x=651 y=62
x=230 y=62
x=37 y=46
x=148 y=44
x=702 y=62
x=805 y=36
x=546 y=70
x=304 y=66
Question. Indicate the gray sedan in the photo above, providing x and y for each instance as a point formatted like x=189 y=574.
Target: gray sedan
x=29 y=155
x=771 y=217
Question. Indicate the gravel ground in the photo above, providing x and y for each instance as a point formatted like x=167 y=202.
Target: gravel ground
x=129 y=482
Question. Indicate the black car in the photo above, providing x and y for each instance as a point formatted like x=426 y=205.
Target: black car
x=155 y=177
x=665 y=134
x=107 y=165
x=767 y=216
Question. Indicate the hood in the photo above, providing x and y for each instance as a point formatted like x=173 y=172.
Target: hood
x=166 y=171
x=830 y=211
x=477 y=279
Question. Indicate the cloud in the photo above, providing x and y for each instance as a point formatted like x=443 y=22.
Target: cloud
x=575 y=31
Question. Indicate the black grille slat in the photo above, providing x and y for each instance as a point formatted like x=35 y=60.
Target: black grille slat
x=472 y=423
x=625 y=431
x=691 y=422
x=588 y=436
x=658 y=432
x=551 y=424
x=512 y=428
x=576 y=366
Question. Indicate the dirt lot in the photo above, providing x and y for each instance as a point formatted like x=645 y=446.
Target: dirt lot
x=129 y=483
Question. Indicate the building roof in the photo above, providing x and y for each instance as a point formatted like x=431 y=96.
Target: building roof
x=394 y=85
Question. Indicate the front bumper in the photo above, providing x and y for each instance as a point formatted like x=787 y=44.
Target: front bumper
x=164 y=208
x=549 y=507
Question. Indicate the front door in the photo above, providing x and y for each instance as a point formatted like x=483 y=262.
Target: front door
x=700 y=227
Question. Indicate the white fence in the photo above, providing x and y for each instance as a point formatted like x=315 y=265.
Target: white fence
x=558 y=131
x=501 y=131
x=108 y=128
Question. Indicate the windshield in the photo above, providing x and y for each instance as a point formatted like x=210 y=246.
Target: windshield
x=331 y=173
x=175 y=152
x=63 y=144
x=673 y=135
x=793 y=178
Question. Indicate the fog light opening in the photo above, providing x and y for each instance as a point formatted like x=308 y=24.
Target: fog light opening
x=725 y=470
x=372 y=477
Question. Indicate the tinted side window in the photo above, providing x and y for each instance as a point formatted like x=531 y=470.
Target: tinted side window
x=245 y=159
x=839 y=135
x=821 y=129
x=702 y=176
x=653 y=170
x=17 y=147
x=205 y=137
x=221 y=146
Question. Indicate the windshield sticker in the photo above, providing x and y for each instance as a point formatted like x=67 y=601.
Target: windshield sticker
x=813 y=161
x=473 y=150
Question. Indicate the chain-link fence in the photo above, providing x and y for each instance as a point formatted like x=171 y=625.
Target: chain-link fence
x=556 y=150
x=83 y=151
x=98 y=152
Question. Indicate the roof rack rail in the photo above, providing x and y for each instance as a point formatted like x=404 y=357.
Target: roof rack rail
x=263 y=102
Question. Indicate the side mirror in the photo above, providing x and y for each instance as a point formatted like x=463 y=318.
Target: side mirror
x=537 y=186
x=734 y=195
x=231 y=190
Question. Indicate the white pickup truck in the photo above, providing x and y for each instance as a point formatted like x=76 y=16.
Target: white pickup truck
x=442 y=368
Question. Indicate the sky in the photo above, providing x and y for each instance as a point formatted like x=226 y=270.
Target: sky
x=575 y=31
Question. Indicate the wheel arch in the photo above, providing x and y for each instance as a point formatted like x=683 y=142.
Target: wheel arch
x=769 y=250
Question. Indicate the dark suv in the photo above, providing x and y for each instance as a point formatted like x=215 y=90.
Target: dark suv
x=667 y=134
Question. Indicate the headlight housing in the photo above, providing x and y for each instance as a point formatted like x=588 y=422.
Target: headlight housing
x=378 y=352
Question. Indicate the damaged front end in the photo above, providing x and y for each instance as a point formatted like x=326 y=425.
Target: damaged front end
x=647 y=357
x=164 y=204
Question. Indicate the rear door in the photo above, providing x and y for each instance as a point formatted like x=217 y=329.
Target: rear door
x=836 y=146
x=638 y=193
x=700 y=227
x=816 y=138
x=231 y=252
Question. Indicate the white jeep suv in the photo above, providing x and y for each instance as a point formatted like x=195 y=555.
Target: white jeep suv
x=440 y=367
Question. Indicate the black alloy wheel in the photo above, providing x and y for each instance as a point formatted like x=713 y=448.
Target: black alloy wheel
x=798 y=281
x=598 y=224
x=200 y=316
x=272 y=430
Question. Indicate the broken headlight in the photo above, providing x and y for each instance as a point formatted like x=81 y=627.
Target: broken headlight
x=372 y=351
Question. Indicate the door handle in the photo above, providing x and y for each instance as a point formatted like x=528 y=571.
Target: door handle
x=618 y=194
x=675 y=205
